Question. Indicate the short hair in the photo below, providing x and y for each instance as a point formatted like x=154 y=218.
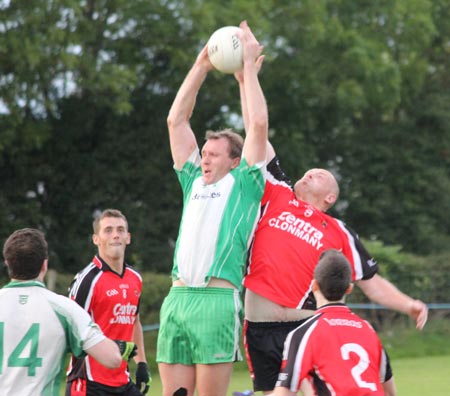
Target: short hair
x=333 y=274
x=107 y=213
x=24 y=252
x=234 y=139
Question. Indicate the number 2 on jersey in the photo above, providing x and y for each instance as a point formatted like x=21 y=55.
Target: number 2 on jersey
x=361 y=366
x=16 y=359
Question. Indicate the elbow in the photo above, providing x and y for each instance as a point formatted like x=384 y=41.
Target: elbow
x=261 y=134
x=115 y=362
x=176 y=123
x=170 y=122
x=261 y=124
x=175 y=120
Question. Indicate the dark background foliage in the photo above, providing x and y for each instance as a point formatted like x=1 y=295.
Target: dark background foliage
x=361 y=88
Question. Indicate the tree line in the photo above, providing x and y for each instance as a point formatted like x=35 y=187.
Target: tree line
x=361 y=88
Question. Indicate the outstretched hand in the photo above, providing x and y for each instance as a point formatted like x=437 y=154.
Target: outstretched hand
x=239 y=75
x=419 y=312
x=251 y=49
x=203 y=58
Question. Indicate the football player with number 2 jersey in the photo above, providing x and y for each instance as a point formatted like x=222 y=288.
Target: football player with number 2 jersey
x=335 y=350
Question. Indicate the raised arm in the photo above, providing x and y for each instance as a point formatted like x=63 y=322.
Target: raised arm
x=239 y=75
x=254 y=105
x=182 y=138
x=381 y=291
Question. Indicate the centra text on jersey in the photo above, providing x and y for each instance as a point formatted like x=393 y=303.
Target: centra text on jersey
x=301 y=229
x=124 y=314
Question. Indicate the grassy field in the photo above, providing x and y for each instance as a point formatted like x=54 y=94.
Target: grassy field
x=418 y=376
x=420 y=360
x=424 y=376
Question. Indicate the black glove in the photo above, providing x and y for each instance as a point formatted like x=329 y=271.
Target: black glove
x=127 y=349
x=143 y=377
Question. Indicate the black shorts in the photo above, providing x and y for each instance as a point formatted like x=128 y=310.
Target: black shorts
x=264 y=343
x=82 y=387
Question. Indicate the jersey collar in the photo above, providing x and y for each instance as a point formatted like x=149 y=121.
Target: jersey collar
x=103 y=265
x=29 y=283
x=333 y=307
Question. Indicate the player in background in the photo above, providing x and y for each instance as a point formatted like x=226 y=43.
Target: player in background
x=109 y=290
x=38 y=327
x=335 y=349
x=200 y=324
x=292 y=233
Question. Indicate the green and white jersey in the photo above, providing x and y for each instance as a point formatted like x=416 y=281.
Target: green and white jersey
x=37 y=329
x=217 y=223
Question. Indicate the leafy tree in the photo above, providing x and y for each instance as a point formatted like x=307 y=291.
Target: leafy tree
x=85 y=87
x=358 y=89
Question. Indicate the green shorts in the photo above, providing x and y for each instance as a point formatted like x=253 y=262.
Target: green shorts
x=200 y=325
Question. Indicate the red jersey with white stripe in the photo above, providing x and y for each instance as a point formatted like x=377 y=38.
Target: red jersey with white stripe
x=288 y=241
x=112 y=300
x=339 y=351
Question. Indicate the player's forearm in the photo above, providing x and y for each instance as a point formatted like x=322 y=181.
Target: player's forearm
x=183 y=105
x=106 y=353
x=181 y=136
x=256 y=106
x=138 y=339
x=383 y=292
x=389 y=387
x=258 y=119
x=244 y=109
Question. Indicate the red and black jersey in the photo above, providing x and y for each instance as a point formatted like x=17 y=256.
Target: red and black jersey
x=112 y=300
x=339 y=351
x=288 y=241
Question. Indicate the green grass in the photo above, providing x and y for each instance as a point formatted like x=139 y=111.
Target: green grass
x=420 y=360
x=406 y=341
x=424 y=376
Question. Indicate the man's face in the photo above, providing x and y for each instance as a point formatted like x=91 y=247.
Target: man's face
x=316 y=187
x=216 y=161
x=112 y=238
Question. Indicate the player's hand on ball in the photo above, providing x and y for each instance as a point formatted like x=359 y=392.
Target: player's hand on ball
x=143 y=377
x=251 y=47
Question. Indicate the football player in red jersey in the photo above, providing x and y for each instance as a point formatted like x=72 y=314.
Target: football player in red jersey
x=339 y=352
x=109 y=290
x=294 y=229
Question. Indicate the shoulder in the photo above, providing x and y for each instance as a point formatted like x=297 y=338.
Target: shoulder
x=84 y=282
x=88 y=273
x=306 y=327
x=192 y=163
x=133 y=272
x=65 y=307
x=244 y=166
x=249 y=178
x=276 y=173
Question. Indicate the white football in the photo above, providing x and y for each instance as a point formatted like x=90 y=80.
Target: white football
x=225 y=50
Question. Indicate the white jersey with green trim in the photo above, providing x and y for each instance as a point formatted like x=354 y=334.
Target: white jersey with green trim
x=37 y=329
x=217 y=223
